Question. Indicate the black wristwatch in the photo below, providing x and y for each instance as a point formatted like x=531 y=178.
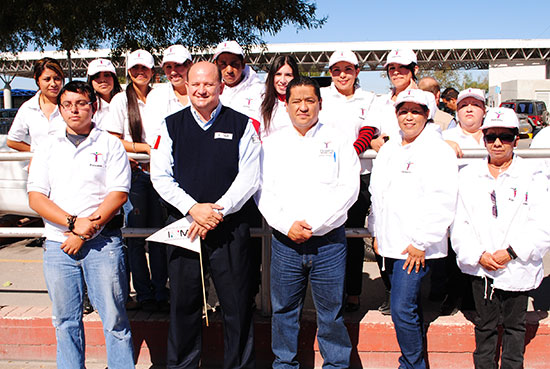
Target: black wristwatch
x=512 y=253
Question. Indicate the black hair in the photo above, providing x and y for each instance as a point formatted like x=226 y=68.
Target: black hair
x=410 y=67
x=449 y=93
x=116 y=86
x=270 y=96
x=78 y=87
x=135 y=124
x=425 y=109
x=303 y=81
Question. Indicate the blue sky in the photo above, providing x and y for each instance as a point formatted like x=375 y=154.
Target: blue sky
x=365 y=20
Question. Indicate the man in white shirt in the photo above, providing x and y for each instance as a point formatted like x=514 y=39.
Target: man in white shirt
x=206 y=166
x=78 y=181
x=243 y=88
x=309 y=181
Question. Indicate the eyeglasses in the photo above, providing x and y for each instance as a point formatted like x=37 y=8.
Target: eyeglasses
x=503 y=137
x=80 y=104
x=494 y=202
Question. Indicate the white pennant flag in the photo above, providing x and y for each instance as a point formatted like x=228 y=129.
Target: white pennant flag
x=176 y=234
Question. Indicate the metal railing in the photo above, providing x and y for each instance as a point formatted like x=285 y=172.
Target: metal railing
x=264 y=232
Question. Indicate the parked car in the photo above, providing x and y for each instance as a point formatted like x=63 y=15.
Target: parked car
x=6 y=117
x=532 y=112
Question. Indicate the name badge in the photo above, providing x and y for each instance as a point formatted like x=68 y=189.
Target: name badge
x=223 y=136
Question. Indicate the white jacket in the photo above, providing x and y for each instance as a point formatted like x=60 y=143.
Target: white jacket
x=246 y=97
x=414 y=191
x=523 y=222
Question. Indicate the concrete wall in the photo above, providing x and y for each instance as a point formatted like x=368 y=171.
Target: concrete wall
x=523 y=80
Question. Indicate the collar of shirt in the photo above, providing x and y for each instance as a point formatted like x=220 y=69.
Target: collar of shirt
x=61 y=135
x=312 y=132
x=513 y=171
x=35 y=105
x=213 y=116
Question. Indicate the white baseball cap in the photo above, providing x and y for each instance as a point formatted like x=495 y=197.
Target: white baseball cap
x=471 y=92
x=416 y=96
x=500 y=117
x=141 y=57
x=343 y=55
x=401 y=56
x=176 y=54
x=100 y=65
x=231 y=47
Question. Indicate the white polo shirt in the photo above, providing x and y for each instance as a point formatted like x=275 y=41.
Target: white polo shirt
x=312 y=178
x=117 y=121
x=77 y=179
x=101 y=115
x=161 y=102
x=347 y=116
x=465 y=141
x=246 y=97
x=382 y=116
x=31 y=125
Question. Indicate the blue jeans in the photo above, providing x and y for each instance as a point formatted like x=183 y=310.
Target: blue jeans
x=323 y=261
x=146 y=213
x=100 y=263
x=406 y=312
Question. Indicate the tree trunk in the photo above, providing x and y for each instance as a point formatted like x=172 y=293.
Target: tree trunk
x=70 y=64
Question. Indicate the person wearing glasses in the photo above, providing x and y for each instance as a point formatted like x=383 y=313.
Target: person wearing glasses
x=500 y=234
x=78 y=180
x=413 y=189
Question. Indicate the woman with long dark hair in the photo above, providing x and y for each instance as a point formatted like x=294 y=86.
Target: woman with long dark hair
x=102 y=77
x=39 y=116
x=272 y=110
x=127 y=121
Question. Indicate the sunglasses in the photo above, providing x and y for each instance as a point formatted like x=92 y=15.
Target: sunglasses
x=503 y=137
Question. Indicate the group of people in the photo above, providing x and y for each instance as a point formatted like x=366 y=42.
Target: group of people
x=224 y=145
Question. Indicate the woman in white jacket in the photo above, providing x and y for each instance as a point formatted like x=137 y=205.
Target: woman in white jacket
x=500 y=234
x=414 y=189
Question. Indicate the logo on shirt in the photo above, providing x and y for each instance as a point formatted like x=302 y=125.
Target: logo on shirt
x=408 y=166
x=326 y=150
x=249 y=101
x=96 y=162
x=223 y=136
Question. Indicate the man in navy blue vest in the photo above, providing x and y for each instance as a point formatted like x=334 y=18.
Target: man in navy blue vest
x=205 y=164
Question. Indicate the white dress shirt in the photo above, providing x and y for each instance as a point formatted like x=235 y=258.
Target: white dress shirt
x=522 y=221
x=31 y=125
x=243 y=187
x=77 y=179
x=313 y=178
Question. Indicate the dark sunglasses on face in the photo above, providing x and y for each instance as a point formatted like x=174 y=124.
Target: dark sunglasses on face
x=503 y=137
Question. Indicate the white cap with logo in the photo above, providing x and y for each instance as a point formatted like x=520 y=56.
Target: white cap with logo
x=471 y=92
x=100 y=65
x=343 y=55
x=401 y=56
x=141 y=57
x=416 y=96
x=231 y=47
x=500 y=117
x=176 y=54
